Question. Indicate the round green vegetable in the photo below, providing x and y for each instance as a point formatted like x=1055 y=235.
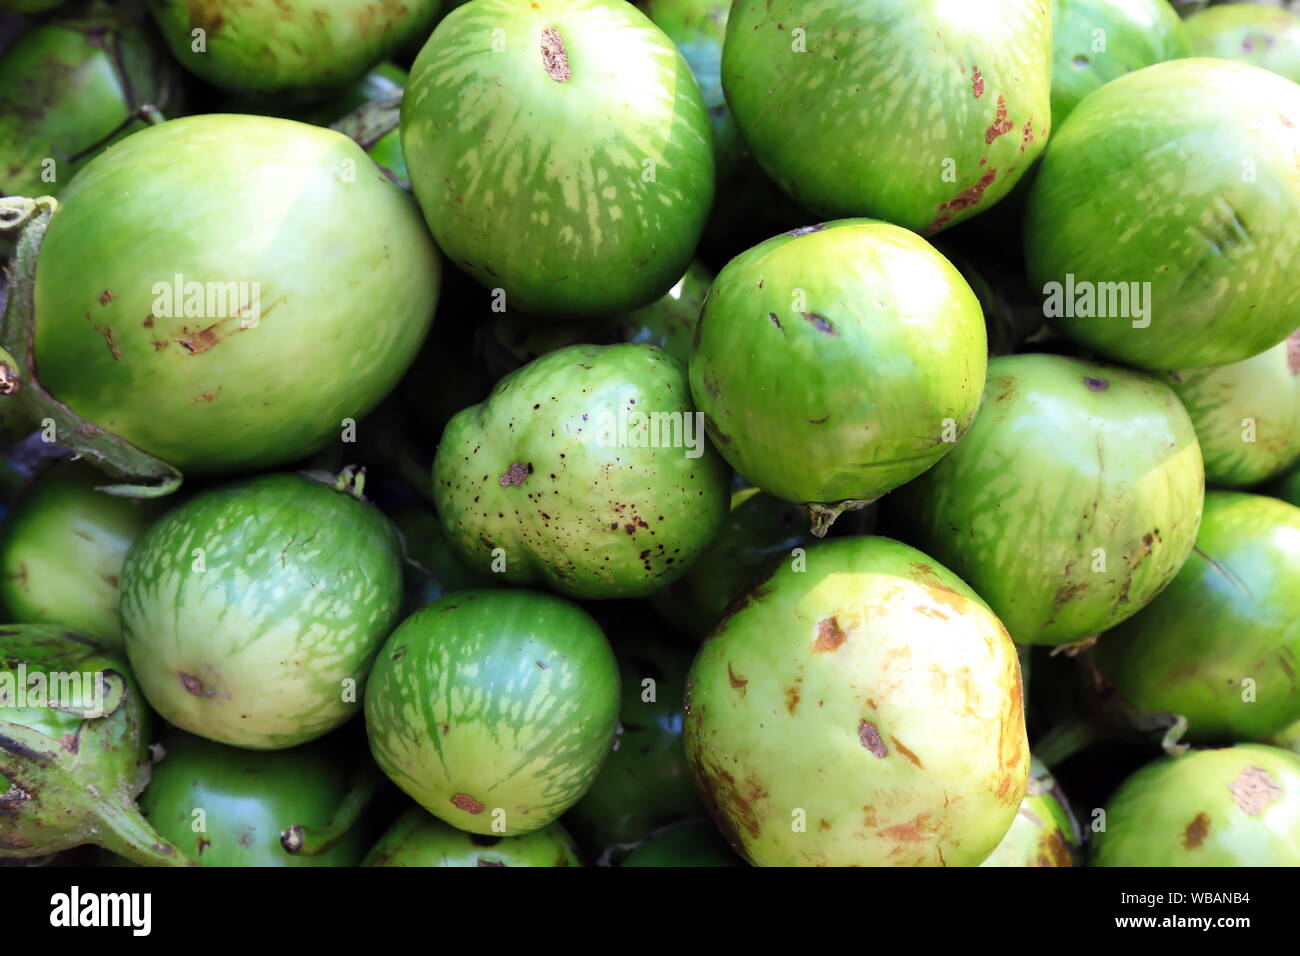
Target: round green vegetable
x=1239 y=806
x=560 y=151
x=1044 y=832
x=59 y=688
x=220 y=337
x=698 y=27
x=1095 y=41
x=1247 y=415
x=646 y=782
x=290 y=49
x=1144 y=263
x=861 y=709
x=230 y=807
x=1221 y=644
x=71 y=85
x=418 y=839
x=1072 y=501
x=693 y=843
x=1249 y=33
x=494 y=710
x=918 y=112
x=252 y=612
x=587 y=471
x=759 y=532
x=836 y=362
x=62 y=545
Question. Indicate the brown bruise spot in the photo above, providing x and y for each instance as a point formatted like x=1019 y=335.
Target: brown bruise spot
x=907 y=753
x=977 y=81
x=737 y=682
x=869 y=737
x=105 y=297
x=775 y=321
x=514 y=475
x=463 y=801
x=1000 y=124
x=734 y=803
x=1196 y=831
x=1254 y=790
x=1054 y=851
x=820 y=323
x=555 y=60
x=963 y=200
x=829 y=635
x=112 y=346
x=792 y=696
x=483 y=862
x=1095 y=384
x=913 y=831
x=204 y=398
x=148 y=321
x=1029 y=135
x=1067 y=593
x=195 y=686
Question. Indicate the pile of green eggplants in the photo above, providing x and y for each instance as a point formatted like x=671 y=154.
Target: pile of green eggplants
x=663 y=433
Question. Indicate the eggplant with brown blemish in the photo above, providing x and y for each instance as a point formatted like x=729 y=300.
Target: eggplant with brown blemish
x=1249 y=33
x=586 y=471
x=1045 y=832
x=1071 y=503
x=561 y=152
x=221 y=354
x=1138 y=33
x=1236 y=806
x=1221 y=644
x=860 y=707
x=835 y=362
x=294 y=51
x=919 y=112
x=494 y=709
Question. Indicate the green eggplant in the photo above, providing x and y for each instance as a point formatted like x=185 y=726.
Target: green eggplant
x=74 y=735
x=419 y=839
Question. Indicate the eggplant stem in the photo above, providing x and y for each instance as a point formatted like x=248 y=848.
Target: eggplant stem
x=299 y=840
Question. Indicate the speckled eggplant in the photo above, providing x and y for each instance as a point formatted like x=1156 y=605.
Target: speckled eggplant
x=1221 y=644
x=862 y=709
x=918 y=112
x=494 y=710
x=1238 y=806
x=532 y=483
x=252 y=612
x=1071 y=503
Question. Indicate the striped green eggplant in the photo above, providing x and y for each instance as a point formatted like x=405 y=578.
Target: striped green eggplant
x=560 y=151
x=252 y=612
x=494 y=710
